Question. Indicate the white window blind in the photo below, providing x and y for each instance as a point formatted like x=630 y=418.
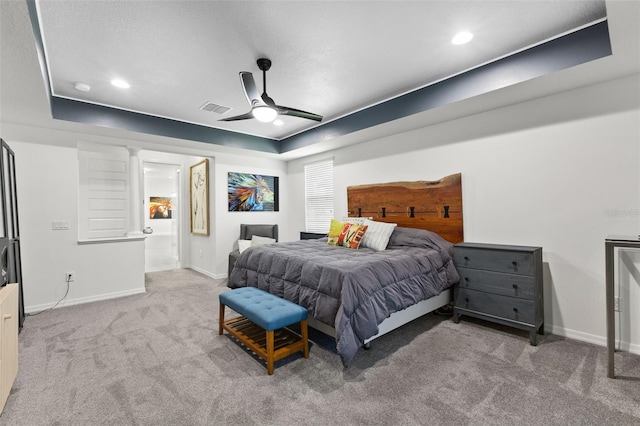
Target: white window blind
x=318 y=187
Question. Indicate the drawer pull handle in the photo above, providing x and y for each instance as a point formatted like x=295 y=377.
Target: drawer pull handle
x=466 y=258
x=515 y=310
x=7 y=316
x=515 y=286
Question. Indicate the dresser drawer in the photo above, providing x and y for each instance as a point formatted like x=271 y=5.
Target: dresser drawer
x=513 y=262
x=521 y=286
x=511 y=308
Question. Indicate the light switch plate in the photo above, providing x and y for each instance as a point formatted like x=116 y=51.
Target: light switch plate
x=60 y=225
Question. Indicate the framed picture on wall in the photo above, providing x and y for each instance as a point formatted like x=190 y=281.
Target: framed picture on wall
x=160 y=207
x=250 y=192
x=199 y=197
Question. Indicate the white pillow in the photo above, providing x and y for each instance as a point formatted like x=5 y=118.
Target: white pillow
x=377 y=235
x=258 y=241
x=243 y=245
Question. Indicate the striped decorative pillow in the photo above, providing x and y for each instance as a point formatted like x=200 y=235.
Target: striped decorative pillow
x=377 y=235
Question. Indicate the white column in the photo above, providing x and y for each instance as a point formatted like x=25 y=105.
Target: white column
x=136 y=202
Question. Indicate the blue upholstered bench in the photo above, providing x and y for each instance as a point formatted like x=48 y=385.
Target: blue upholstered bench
x=261 y=326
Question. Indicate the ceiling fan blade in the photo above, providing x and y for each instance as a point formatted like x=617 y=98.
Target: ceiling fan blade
x=257 y=100
x=239 y=117
x=282 y=110
x=252 y=94
x=267 y=100
x=250 y=89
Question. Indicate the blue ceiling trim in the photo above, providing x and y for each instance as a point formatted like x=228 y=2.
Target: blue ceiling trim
x=98 y=115
x=44 y=69
x=570 y=50
x=86 y=113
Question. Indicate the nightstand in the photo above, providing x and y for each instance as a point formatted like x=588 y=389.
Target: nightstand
x=311 y=235
x=500 y=283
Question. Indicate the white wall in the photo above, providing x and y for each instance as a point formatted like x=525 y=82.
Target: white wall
x=227 y=224
x=202 y=247
x=47 y=183
x=162 y=187
x=209 y=254
x=547 y=173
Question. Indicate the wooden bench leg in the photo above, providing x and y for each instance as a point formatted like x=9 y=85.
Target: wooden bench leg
x=304 y=331
x=221 y=316
x=270 y=352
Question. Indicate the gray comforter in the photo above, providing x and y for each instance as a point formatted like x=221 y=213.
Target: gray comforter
x=351 y=290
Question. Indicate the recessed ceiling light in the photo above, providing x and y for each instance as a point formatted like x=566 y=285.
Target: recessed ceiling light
x=83 y=87
x=120 y=83
x=462 y=38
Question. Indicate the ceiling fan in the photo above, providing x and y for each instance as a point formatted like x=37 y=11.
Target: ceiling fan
x=263 y=108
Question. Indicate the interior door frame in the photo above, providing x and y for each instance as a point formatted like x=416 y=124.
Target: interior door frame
x=179 y=196
x=10 y=255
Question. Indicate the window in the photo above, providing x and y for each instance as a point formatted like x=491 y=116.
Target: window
x=318 y=189
x=104 y=194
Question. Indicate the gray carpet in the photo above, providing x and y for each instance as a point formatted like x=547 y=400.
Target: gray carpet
x=156 y=359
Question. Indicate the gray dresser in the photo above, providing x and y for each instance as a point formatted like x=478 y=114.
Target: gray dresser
x=500 y=283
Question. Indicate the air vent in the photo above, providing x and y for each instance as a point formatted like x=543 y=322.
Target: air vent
x=211 y=107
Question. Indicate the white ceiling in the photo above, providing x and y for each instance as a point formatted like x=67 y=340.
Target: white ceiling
x=329 y=57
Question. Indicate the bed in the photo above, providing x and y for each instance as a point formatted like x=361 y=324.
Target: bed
x=359 y=295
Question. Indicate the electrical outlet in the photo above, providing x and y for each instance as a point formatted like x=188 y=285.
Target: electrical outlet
x=616 y=304
x=70 y=277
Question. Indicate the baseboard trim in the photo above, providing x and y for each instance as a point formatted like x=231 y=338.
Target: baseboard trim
x=591 y=338
x=82 y=300
x=207 y=273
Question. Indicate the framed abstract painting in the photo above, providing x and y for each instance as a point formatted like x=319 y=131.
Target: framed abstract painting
x=199 y=197
x=252 y=192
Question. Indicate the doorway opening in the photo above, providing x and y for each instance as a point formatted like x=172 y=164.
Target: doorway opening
x=162 y=216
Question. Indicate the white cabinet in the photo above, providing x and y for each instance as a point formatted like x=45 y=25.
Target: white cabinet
x=8 y=340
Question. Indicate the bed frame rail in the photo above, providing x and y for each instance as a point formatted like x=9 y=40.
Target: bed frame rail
x=397 y=319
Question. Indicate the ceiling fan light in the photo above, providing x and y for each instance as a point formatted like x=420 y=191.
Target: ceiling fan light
x=462 y=38
x=264 y=114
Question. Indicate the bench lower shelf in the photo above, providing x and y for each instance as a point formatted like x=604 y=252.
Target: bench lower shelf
x=269 y=345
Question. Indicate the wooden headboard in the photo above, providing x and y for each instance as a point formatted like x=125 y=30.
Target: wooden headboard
x=432 y=205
